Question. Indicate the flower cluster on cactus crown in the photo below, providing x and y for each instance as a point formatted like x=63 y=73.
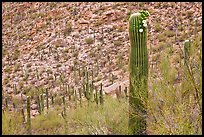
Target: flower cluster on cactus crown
x=142 y=20
x=187 y=40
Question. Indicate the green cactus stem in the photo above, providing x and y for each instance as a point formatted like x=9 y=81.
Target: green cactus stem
x=66 y=91
x=39 y=105
x=64 y=113
x=96 y=97
x=101 y=95
x=87 y=88
x=92 y=74
x=84 y=89
x=75 y=98
x=91 y=91
x=79 y=71
x=196 y=25
x=42 y=102
x=6 y=101
x=14 y=105
x=97 y=67
x=186 y=51
x=112 y=78
x=47 y=101
x=28 y=116
x=69 y=93
x=87 y=76
x=37 y=73
x=55 y=76
x=52 y=99
x=125 y=91
x=15 y=89
x=23 y=114
x=83 y=71
x=118 y=94
x=2 y=95
x=80 y=97
x=138 y=67
x=64 y=103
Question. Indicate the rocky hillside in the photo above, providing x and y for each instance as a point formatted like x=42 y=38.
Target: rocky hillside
x=45 y=43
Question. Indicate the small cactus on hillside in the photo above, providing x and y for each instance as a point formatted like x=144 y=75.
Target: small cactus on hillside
x=28 y=116
x=22 y=111
x=39 y=105
x=42 y=102
x=186 y=51
x=101 y=95
x=47 y=101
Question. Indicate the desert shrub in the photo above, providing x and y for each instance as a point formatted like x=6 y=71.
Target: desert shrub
x=89 y=40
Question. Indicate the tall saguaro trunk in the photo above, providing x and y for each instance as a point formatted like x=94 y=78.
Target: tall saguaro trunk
x=28 y=116
x=138 y=68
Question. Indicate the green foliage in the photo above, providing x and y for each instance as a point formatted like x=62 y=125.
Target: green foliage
x=161 y=37
x=94 y=120
x=158 y=27
x=5 y=81
x=175 y=108
x=169 y=33
x=89 y=40
x=8 y=69
x=51 y=123
x=16 y=54
x=11 y=123
x=68 y=30
x=83 y=120
x=117 y=43
x=168 y=73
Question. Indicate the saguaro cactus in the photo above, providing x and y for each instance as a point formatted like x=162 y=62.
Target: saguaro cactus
x=22 y=111
x=28 y=116
x=138 y=67
x=101 y=99
x=42 y=102
x=39 y=105
x=80 y=97
x=6 y=101
x=186 y=51
x=47 y=101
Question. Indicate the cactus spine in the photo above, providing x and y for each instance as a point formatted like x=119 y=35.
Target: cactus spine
x=28 y=116
x=138 y=67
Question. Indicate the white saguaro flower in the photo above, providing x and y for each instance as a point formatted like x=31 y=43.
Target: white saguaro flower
x=144 y=21
x=140 y=30
x=145 y=25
